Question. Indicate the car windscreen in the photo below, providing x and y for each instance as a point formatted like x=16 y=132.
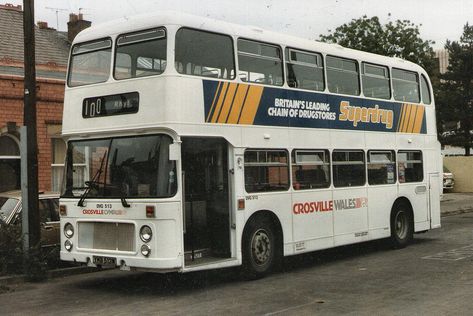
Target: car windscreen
x=7 y=206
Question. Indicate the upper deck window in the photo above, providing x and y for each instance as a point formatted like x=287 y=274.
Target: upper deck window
x=342 y=76
x=260 y=62
x=425 y=90
x=304 y=70
x=406 y=86
x=90 y=63
x=140 y=54
x=205 y=54
x=376 y=81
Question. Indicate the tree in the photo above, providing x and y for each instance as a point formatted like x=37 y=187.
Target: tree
x=396 y=39
x=455 y=93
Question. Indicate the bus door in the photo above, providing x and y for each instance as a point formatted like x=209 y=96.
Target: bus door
x=206 y=199
x=434 y=199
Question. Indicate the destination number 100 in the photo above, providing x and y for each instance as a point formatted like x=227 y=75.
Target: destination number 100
x=93 y=108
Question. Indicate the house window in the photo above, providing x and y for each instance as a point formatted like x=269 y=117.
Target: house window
x=57 y=166
x=10 y=163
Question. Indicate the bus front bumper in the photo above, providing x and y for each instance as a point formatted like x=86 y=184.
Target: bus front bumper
x=124 y=262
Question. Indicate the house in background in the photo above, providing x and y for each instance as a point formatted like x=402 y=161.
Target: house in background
x=52 y=51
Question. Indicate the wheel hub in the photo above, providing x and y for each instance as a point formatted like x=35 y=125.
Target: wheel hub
x=400 y=225
x=261 y=247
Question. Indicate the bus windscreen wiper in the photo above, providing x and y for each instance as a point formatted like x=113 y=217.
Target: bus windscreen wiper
x=123 y=198
x=92 y=183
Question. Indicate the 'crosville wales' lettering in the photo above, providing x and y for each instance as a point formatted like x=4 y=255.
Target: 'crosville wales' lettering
x=327 y=206
x=357 y=114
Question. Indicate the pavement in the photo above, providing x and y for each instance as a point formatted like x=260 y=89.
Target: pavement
x=456 y=203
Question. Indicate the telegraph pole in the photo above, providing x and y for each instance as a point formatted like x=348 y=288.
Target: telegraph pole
x=29 y=120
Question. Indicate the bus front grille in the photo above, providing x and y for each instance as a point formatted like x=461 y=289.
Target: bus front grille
x=107 y=236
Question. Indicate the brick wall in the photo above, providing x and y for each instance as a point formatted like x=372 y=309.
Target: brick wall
x=49 y=112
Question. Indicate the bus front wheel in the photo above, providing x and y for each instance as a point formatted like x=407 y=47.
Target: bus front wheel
x=259 y=248
x=402 y=225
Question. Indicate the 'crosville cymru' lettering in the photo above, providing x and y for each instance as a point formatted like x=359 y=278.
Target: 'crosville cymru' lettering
x=358 y=114
x=103 y=212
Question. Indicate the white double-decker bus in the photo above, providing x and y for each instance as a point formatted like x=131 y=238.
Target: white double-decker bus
x=197 y=144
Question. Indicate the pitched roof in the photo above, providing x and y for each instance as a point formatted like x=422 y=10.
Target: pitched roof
x=51 y=46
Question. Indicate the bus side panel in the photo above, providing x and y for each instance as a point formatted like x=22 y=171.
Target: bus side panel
x=279 y=203
x=380 y=202
x=312 y=213
x=350 y=215
x=417 y=194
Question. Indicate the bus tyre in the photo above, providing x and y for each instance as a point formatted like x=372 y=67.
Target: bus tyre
x=259 y=247
x=402 y=225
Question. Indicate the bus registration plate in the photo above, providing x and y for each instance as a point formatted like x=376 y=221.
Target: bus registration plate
x=104 y=261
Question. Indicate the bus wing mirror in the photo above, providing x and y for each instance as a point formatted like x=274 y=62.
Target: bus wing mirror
x=174 y=151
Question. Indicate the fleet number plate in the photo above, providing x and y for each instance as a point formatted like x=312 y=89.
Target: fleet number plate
x=104 y=261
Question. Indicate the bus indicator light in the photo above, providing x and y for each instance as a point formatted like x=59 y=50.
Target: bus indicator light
x=62 y=210
x=150 y=211
x=241 y=204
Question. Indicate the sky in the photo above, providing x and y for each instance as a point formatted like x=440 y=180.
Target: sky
x=439 y=20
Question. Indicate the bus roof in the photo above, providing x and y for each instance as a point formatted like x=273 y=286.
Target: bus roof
x=163 y=18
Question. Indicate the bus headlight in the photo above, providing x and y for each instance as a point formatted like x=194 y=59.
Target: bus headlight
x=68 y=230
x=146 y=233
x=68 y=245
x=145 y=250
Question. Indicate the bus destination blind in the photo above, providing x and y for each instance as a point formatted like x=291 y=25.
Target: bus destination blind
x=116 y=104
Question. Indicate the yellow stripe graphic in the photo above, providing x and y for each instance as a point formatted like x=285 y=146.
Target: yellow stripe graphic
x=219 y=102
x=237 y=104
x=412 y=118
x=407 y=112
x=419 y=119
x=213 y=102
x=251 y=105
x=222 y=118
x=399 y=123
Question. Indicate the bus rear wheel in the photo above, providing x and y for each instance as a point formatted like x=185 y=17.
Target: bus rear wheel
x=402 y=225
x=259 y=247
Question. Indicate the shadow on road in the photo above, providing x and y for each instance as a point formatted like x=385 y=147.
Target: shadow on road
x=155 y=284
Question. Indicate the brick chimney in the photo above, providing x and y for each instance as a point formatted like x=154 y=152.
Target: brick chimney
x=43 y=25
x=9 y=6
x=75 y=25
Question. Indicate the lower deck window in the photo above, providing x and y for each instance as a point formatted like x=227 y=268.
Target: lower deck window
x=410 y=166
x=381 y=167
x=266 y=170
x=348 y=168
x=310 y=169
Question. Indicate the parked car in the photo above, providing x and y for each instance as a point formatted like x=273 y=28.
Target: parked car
x=448 y=179
x=10 y=214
